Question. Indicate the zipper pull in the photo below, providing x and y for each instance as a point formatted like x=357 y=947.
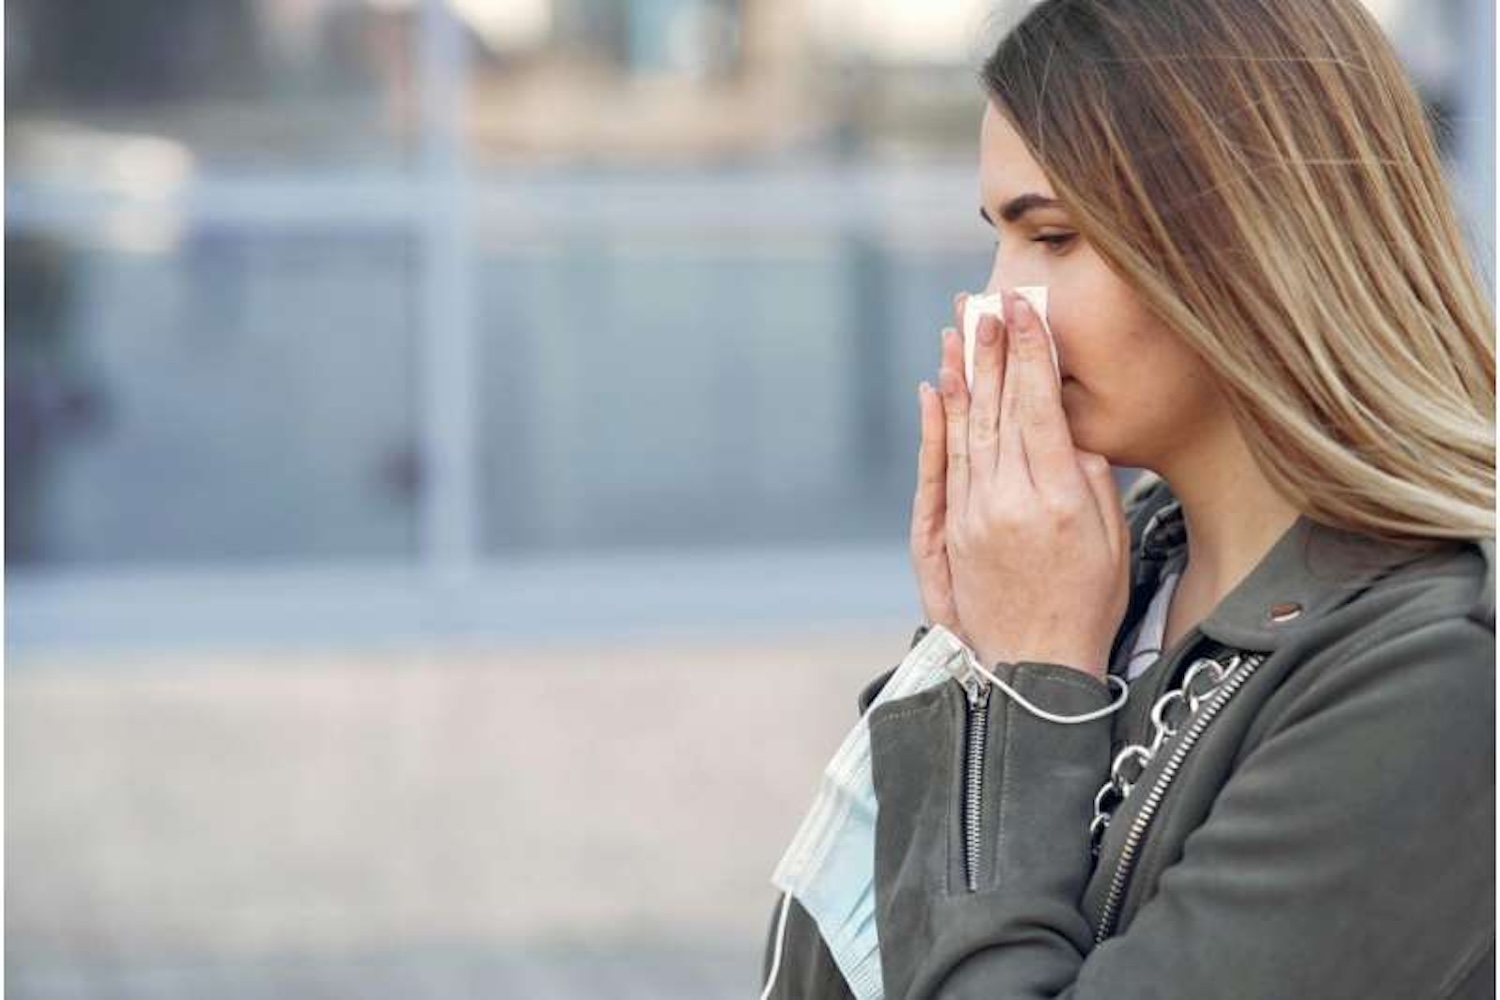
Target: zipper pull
x=976 y=686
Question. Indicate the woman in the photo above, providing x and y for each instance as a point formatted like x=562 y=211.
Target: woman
x=1259 y=293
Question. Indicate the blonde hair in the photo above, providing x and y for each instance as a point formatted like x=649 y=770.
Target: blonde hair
x=1263 y=175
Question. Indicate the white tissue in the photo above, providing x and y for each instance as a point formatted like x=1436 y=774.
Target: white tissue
x=978 y=305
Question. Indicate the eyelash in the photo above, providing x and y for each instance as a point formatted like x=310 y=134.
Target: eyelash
x=1055 y=241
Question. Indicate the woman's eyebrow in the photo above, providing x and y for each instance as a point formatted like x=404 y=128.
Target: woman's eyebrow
x=1020 y=205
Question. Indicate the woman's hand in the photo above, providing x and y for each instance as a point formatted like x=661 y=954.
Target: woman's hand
x=929 y=552
x=1037 y=546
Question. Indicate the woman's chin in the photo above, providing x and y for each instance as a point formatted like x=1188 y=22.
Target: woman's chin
x=1079 y=417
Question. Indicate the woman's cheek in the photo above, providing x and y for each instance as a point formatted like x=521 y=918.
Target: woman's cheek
x=1060 y=324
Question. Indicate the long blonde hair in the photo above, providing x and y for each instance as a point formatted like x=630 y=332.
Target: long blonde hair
x=1263 y=175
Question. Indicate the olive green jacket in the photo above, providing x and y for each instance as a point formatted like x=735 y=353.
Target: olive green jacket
x=1327 y=832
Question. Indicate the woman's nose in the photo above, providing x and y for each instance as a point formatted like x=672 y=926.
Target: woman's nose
x=1000 y=287
x=1003 y=278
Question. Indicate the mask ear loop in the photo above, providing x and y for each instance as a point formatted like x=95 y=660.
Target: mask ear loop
x=1042 y=712
x=786 y=899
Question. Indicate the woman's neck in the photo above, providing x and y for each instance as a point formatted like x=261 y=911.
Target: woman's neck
x=1231 y=513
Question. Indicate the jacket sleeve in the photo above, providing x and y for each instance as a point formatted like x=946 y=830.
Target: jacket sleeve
x=1350 y=854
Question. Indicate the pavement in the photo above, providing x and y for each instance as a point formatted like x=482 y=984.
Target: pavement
x=442 y=821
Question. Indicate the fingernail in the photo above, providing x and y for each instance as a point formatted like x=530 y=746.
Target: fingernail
x=987 y=330
x=1023 y=319
x=1022 y=309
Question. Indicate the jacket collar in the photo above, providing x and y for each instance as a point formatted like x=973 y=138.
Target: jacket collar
x=1309 y=571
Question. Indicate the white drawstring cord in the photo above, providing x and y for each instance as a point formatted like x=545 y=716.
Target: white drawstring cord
x=786 y=899
x=1043 y=713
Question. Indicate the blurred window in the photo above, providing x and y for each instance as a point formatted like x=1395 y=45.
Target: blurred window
x=242 y=395
x=232 y=85
x=447 y=282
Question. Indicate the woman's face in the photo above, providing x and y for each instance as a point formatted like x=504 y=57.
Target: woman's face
x=1131 y=391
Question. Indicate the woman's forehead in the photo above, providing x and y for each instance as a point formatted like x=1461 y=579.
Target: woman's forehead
x=1006 y=166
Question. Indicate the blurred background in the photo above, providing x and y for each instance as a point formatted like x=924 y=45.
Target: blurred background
x=458 y=459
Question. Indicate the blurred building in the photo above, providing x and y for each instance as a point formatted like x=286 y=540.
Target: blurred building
x=414 y=294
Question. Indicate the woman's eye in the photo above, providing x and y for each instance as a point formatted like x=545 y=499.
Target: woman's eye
x=1055 y=241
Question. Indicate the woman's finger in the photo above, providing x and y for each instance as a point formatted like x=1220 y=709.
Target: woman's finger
x=1012 y=463
x=955 y=400
x=1042 y=424
x=929 y=547
x=1101 y=482
x=984 y=408
x=930 y=502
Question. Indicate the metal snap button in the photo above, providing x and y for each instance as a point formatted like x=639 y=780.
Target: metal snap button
x=1285 y=611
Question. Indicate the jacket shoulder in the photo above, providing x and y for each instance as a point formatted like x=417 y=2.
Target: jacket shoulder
x=1483 y=608
x=1458 y=581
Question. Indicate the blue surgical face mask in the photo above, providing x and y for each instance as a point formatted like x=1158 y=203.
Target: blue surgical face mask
x=830 y=865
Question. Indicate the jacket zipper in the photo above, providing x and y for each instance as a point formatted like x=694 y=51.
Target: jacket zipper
x=978 y=693
x=1111 y=908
